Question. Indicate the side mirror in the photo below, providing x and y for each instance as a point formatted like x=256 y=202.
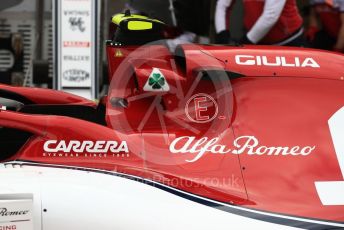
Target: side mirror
x=119 y=102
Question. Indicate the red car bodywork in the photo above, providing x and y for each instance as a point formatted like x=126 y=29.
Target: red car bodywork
x=44 y=96
x=285 y=103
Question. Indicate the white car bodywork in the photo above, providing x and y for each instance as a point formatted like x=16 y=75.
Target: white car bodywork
x=62 y=198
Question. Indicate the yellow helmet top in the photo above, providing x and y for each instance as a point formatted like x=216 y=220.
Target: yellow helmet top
x=134 y=22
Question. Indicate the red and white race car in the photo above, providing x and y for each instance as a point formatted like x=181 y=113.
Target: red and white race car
x=208 y=137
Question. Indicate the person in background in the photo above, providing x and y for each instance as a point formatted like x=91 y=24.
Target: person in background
x=187 y=19
x=328 y=14
x=193 y=18
x=267 y=22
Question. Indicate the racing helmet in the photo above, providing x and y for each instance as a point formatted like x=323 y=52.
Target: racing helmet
x=135 y=29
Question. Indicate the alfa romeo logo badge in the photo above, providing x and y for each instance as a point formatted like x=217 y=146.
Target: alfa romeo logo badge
x=156 y=82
